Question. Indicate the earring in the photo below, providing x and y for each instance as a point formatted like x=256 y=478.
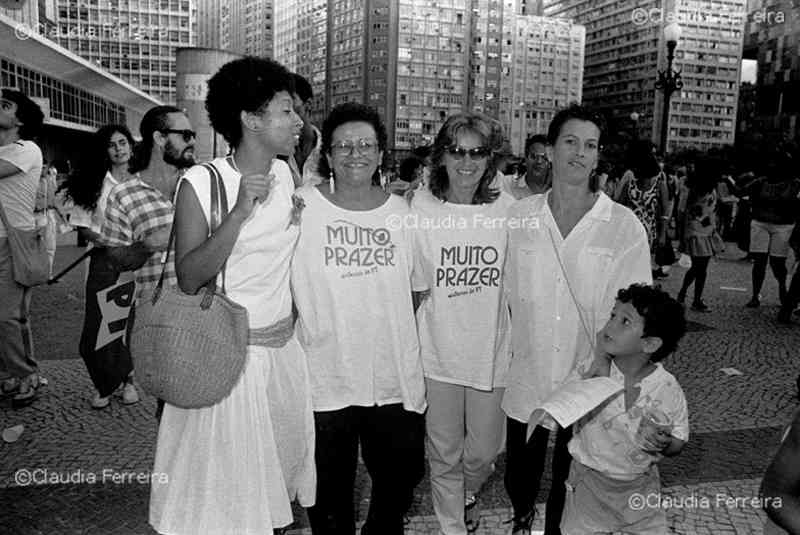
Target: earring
x=332 y=184
x=383 y=179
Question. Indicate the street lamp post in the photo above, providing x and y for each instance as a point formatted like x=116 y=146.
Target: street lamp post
x=668 y=80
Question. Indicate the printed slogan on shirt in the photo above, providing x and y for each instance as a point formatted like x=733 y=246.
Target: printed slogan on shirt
x=353 y=246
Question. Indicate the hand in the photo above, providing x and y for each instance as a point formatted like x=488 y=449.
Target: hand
x=656 y=439
x=157 y=240
x=253 y=189
x=601 y=364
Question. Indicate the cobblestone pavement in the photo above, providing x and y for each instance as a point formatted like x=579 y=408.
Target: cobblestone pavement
x=79 y=456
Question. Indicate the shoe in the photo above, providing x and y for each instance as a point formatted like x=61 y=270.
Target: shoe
x=9 y=386
x=521 y=525
x=753 y=303
x=472 y=514
x=681 y=297
x=699 y=306
x=129 y=394
x=28 y=387
x=99 y=402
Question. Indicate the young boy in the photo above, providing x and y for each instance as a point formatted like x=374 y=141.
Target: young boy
x=614 y=483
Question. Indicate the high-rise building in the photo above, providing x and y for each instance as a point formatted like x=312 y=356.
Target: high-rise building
x=419 y=61
x=251 y=27
x=132 y=39
x=542 y=71
x=213 y=24
x=301 y=44
x=625 y=47
x=772 y=38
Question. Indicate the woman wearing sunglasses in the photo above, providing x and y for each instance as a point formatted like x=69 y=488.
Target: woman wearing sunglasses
x=463 y=321
x=351 y=278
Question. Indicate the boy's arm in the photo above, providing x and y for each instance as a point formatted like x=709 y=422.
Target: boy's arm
x=781 y=484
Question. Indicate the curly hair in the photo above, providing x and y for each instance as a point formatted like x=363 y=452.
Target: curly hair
x=246 y=84
x=350 y=112
x=663 y=316
x=489 y=130
x=83 y=185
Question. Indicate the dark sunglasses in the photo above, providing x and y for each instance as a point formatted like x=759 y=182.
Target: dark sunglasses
x=187 y=134
x=478 y=153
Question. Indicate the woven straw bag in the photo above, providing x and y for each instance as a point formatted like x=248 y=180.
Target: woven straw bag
x=190 y=350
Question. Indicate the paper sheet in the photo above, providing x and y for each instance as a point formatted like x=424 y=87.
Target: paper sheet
x=572 y=401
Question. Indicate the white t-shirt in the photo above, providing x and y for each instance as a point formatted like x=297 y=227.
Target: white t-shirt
x=257 y=272
x=604 y=440
x=459 y=252
x=351 y=278
x=18 y=191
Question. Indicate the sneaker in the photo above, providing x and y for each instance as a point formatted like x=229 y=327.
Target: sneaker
x=99 y=402
x=9 y=386
x=521 y=525
x=129 y=394
x=27 y=392
x=472 y=514
x=699 y=306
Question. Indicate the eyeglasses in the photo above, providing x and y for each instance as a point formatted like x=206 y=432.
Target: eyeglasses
x=478 y=153
x=187 y=134
x=364 y=147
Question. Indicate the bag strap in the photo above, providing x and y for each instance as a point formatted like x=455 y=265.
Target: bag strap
x=589 y=336
x=217 y=194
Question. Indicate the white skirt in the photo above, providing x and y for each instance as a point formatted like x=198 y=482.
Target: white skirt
x=235 y=467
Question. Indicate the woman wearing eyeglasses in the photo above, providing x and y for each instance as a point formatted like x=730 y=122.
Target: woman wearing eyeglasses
x=463 y=321
x=351 y=278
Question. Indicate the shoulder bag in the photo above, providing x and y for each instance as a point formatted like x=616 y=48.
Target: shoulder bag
x=190 y=350
x=29 y=258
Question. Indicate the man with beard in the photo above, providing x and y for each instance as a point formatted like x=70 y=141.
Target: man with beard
x=139 y=212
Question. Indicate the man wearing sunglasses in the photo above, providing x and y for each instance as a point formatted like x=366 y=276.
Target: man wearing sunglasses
x=139 y=213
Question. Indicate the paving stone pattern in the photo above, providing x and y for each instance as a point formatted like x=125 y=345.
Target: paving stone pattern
x=736 y=423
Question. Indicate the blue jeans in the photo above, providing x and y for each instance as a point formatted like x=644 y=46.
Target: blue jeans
x=16 y=343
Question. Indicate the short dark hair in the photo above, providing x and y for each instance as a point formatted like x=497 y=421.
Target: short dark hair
x=663 y=316
x=302 y=88
x=153 y=121
x=538 y=138
x=246 y=84
x=492 y=134
x=581 y=113
x=409 y=166
x=28 y=112
x=350 y=112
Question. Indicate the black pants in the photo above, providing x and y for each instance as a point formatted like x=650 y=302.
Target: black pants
x=105 y=321
x=524 y=468
x=392 y=446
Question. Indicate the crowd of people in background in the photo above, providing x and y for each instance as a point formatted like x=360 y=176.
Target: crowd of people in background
x=375 y=329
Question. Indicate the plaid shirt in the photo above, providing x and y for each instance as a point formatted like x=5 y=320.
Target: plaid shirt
x=134 y=211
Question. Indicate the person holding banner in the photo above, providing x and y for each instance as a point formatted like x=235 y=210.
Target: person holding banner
x=109 y=289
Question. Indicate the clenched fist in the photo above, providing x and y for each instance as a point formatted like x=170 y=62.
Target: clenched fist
x=253 y=189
